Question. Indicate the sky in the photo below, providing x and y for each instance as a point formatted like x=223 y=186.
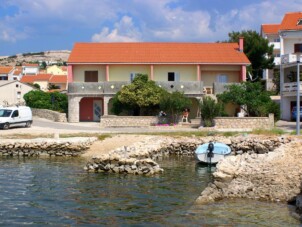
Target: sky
x=42 y=25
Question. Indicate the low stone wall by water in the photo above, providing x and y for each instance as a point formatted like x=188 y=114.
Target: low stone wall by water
x=35 y=147
x=244 y=123
x=49 y=114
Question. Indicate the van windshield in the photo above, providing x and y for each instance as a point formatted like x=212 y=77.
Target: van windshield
x=5 y=113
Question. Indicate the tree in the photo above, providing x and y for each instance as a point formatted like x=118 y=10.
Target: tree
x=252 y=98
x=258 y=51
x=36 y=86
x=51 y=101
x=142 y=95
x=43 y=65
x=173 y=104
x=209 y=109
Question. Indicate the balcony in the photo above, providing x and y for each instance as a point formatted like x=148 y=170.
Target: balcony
x=112 y=87
x=291 y=88
x=291 y=58
x=220 y=87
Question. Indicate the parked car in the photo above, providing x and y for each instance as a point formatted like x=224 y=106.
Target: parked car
x=15 y=116
x=294 y=113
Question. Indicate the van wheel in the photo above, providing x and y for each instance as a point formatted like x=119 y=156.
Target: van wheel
x=28 y=124
x=6 y=126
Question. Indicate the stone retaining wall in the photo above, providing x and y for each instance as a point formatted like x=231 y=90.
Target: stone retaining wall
x=35 y=147
x=49 y=114
x=127 y=121
x=244 y=123
x=139 y=158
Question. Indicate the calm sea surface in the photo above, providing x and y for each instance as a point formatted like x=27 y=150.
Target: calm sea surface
x=58 y=192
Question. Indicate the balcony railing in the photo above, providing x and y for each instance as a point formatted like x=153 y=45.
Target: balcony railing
x=220 y=87
x=291 y=58
x=112 y=87
x=291 y=87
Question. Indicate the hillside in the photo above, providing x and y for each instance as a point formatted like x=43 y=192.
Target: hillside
x=47 y=56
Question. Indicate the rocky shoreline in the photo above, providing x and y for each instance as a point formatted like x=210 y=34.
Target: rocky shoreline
x=265 y=168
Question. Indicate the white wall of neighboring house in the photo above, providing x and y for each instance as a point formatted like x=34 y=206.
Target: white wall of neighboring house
x=12 y=92
x=30 y=70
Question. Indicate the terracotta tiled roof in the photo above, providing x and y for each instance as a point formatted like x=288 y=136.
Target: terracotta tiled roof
x=17 y=71
x=290 y=21
x=33 y=78
x=270 y=28
x=6 y=69
x=131 y=53
x=58 y=79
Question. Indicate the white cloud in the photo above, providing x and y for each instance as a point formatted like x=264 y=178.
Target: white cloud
x=124 y=31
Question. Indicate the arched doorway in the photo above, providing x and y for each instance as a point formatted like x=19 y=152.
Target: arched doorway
x=91 y=109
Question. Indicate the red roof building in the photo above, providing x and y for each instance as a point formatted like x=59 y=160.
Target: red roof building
x=96 y=71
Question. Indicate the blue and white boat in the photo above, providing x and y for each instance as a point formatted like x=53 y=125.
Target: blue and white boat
x=212 y=152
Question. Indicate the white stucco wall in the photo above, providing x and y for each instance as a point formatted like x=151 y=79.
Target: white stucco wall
x=9 y=93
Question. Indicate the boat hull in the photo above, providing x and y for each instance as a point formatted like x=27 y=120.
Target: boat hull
x=205 y=159
x=219 y=152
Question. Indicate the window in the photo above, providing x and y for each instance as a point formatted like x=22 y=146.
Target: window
x=132 y=76
x=277 y=40
x=91 y=76
x=15 y=113
x=298 y=47
x=299 y=22
x=222 y=79
x=17 y=85
x=18 y=94
x=173 y=76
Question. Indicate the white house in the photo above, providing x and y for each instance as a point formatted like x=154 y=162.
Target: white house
x=12 y=92
x=289 y=32
x=30 y=69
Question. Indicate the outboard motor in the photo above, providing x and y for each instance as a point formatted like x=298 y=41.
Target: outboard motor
x=210 y=150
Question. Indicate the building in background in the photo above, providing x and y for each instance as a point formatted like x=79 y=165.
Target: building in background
x=96 y=71
x=287 y=40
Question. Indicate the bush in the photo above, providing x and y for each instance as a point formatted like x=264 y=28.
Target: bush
x=43 y=100
x=209 y=109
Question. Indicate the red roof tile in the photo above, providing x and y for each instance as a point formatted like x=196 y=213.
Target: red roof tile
x=290 y=21
x=270 y=28
x=212 y=53
x=33 y=78
x=58 y=79
x=6 y=69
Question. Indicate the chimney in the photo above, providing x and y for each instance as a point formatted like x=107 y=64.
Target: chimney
x=241 y=43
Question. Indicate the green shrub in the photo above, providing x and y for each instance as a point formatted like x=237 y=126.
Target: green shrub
x=209 y=109
x=44 y=100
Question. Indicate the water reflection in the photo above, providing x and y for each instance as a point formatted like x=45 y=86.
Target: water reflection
x=56 y=191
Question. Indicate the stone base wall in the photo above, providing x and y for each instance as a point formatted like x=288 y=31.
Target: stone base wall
x=49 y=114
x=127 y=121
x=35 y=147
x=245 y=123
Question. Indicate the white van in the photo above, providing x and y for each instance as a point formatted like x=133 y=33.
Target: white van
x=15 y=116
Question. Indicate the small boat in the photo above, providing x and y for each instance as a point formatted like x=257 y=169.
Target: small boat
x=212 y=152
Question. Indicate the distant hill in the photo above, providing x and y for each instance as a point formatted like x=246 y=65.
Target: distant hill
x=49 y=57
